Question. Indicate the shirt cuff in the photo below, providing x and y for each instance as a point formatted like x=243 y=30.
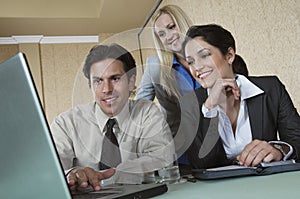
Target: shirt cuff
x=209 y=113
x=285 y=155
x=68 y=171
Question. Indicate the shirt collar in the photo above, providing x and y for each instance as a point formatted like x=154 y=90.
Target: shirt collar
x=121 y=118
x=247 y=88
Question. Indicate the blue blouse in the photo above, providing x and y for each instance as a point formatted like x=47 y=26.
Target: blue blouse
x=186 y=82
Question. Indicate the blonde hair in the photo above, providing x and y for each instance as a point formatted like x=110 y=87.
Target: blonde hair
x=183 y=22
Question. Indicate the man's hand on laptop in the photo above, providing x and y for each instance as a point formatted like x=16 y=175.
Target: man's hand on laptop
x=80 y=178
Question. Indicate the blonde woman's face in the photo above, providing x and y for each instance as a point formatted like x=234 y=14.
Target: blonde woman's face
x=168 y=32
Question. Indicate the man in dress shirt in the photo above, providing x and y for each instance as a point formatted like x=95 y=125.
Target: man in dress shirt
x=144 y=138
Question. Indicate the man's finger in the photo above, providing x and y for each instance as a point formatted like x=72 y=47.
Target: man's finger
x=108 y=173
x=92 y=178
x=71 y=178
x=81 y=178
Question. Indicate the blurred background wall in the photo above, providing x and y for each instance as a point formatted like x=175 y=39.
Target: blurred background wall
x=266 y=33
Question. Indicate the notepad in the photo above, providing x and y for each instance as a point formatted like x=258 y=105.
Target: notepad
x=239 y=170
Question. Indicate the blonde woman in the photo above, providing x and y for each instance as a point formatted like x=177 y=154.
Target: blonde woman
x=167 y=75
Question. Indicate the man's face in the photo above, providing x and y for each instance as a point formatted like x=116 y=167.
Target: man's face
x=110 y=85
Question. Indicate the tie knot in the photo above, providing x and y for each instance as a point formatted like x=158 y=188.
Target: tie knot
x=110 y=123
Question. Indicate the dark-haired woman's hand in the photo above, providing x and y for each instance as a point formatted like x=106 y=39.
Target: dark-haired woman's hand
x=258 y=151
x=219 y=92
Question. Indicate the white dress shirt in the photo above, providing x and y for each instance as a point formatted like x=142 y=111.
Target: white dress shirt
x=234 y=143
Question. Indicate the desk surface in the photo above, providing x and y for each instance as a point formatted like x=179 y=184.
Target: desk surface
x=283 y=186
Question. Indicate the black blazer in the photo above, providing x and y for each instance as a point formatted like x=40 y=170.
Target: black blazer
x=269 y=113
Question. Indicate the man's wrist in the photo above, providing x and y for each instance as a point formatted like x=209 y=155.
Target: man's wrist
x=67 y=172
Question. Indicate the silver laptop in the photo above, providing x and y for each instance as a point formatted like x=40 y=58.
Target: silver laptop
x=30 y=167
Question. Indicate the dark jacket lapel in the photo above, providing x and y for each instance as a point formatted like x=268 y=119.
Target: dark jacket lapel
x=255 y=110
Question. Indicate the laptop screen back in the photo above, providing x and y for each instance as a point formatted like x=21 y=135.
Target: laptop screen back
x=29 y=165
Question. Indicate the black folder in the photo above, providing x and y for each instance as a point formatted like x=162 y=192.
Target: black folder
x=239 y=170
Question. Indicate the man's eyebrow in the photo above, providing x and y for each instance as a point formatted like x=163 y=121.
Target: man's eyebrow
x=109 y=77
x=115 y=75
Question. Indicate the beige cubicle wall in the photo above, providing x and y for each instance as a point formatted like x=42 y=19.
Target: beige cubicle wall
x=60 y=63
x=8 y=50
x=32 y=53
x=266 y=31
x=54 y=67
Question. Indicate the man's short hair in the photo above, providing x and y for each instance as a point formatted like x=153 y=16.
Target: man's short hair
x=113 y=51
